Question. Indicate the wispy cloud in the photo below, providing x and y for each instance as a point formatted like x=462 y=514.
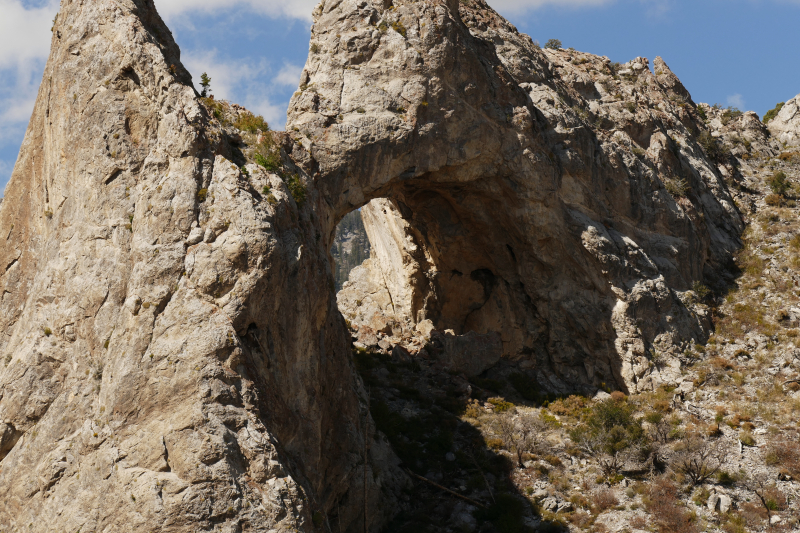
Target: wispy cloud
x=24 y=45
x=24 y=32
x=298 y=9
x=519 y=6
x=736 y=100
x=658 y=8
x=289 y=75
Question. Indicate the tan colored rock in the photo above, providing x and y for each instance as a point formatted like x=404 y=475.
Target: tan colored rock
x=785 y=127
x=171 y=354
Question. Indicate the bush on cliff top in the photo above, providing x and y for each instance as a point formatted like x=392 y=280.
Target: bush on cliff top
x=772 y=113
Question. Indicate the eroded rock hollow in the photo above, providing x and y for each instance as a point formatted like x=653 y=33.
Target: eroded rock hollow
x=173 y=353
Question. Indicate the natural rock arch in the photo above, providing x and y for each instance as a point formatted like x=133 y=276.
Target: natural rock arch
x=173 y=353
x=521 y=218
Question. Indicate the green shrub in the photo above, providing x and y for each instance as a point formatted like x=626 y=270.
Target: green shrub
x=714 y=149
x=205 y=82
x=726 y=479
x=271 y=161
x=553 y=44
x=202 y=195
x=778 y=183
x=251 y=123
x=500 y=405
x=730 y=114
x=609 y=428
x=701 y=290
x=399 y=28
x=677 y=188
x=701 y=112
x=297 y=189
x=772 y=113
x=47 y=332
x=573 y=406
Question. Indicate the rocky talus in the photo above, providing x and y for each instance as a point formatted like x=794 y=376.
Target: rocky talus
x=174 y=355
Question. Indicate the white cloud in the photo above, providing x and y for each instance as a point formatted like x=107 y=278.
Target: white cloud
x=736 y=100
x=519 y=6
x=299 y=9
x=289 y=75
x=24 y=32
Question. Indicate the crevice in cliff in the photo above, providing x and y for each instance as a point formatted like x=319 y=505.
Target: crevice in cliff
x=9 y=436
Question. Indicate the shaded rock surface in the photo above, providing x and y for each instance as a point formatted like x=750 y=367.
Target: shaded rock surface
x=350 y=247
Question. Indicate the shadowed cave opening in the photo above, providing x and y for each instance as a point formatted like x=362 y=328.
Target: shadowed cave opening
x=425 y=351
x=350 y=248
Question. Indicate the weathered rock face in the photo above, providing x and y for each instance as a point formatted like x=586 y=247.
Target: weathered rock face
x=548 y=196
x=745 y=135
x=172 y=354
x=786 y=126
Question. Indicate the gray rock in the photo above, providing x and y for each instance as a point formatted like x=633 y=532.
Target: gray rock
x=724 y=503
x=540 y=494
x=549 y=504
x=400 y=354
x=471 y=354
x=531 y=229
x=785 y=127
x=713 y=502
x=564 y=507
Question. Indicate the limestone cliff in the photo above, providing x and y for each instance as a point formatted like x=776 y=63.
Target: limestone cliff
x=172 y=354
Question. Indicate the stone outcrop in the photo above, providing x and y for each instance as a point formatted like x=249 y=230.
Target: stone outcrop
x=742 y=133
x=549 y=196
x=786 y=126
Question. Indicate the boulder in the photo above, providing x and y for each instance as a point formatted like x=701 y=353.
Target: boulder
x=471 y=353
x=725 y=503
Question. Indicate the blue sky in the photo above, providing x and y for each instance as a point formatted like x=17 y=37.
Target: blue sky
x=734 y=52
